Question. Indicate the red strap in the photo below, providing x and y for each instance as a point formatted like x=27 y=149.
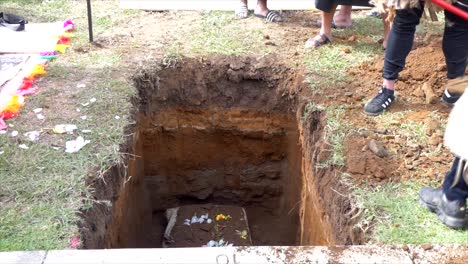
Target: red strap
x=451 y=8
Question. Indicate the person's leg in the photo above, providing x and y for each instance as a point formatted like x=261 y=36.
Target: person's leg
x=448 y=202
x=460 y=190
x=455 y=47
x=399 y=44
x=242 y=10
x=261 y=8
x=327 y=20
x=343 y=17
x=455 y=44
x=325 y=35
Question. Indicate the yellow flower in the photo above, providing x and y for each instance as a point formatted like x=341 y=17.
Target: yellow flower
x=222 y=217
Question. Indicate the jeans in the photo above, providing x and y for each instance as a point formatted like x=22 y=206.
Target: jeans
x=400 y=42
x=460 y=190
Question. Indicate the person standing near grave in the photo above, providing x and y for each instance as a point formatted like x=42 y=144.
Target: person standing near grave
x=400 y=43
x=343 y=19
x=449 y=201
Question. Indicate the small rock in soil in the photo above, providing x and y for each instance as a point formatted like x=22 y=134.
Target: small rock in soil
x=363 y=132
x=418 y=92
x=426 y=246
x=237 y=65
x=432 y=125
x=435 y=140
x=352 y=38
x=403 y=76
x=266 y=36
x=431 y=97
x=414 y=146
x=378 y=148
x=381 y=130
x=356 y=164
x=398 y=140
x=346 y=50
x=441 y=67
x=379 y=65
x=389 y=137
x=270 y=43
x=405 y=248
x=436 y=158
x=418 y=76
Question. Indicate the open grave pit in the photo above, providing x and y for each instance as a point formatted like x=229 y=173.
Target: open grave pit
x=227 y=131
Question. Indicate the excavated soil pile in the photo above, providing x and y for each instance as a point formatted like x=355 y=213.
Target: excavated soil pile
x=419 y=91
x=227 y=131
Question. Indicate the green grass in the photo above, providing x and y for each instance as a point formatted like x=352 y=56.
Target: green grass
x=332 y=60
x=219 y=34
x=398 y=218
x=50 y=181
x=335 y=133
x=41 y=188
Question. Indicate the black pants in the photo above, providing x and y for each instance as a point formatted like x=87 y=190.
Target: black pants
x=400 y=42
x=327 y=5
x=459 y=191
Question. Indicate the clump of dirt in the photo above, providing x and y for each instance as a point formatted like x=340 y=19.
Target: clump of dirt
x=225 y=131
x=365 y=165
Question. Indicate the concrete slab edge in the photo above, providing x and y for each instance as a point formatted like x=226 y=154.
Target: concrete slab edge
x=220 y=255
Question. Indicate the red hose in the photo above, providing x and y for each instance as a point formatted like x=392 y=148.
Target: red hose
x=451 y=8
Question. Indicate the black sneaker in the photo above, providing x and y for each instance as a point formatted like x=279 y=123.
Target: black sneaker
x=383 y=100
x=450 y=98
x=451 y=213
